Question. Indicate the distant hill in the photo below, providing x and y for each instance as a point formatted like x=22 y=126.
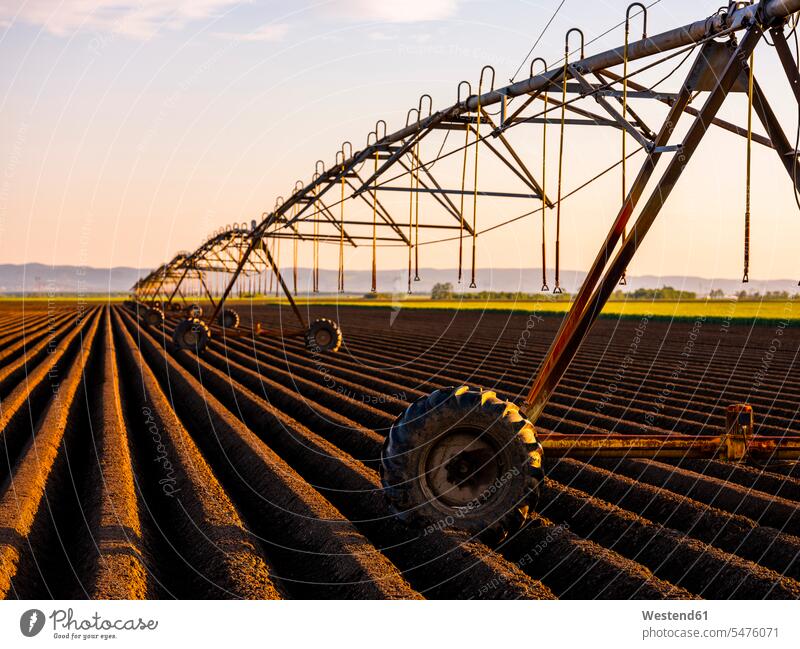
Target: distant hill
x=41 y=278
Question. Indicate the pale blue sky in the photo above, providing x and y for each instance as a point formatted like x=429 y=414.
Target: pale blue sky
x=128 y=134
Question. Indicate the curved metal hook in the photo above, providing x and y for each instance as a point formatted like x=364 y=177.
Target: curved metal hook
x=340 y=152
x=347 y=145
x=378 y=136
x=480 y=80
x=316 y=167
x=369 y=135
x=538 y=58
x=430 y=104
x=278 y=202
x=566 y=41
x=408 y=115
x=301 y=185
x=643 y=13
x=469 y=90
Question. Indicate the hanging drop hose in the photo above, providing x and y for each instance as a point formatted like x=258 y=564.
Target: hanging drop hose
x=467 y=129
x=271 y=271
x=544 y=183
x=294 y=264
x=410 y=225
x=416 y=213
x=341 y=233
x=315 y=246
x=472 y=283
x=375 y=230
x=746 y=274
x=624 y=279
x=557 y=287
x=294 y=252
x=277 y=264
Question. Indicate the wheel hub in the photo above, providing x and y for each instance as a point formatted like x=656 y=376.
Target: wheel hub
x=460 y=467
x=190 y=337
x=323 y=337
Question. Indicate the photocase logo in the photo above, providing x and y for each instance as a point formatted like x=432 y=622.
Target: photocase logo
x=397 y=303
x=31 y=622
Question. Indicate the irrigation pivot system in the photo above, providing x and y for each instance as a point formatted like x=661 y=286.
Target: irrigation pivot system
x=464 y=455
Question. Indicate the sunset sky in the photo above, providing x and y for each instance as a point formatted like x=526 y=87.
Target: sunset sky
x=131 y=129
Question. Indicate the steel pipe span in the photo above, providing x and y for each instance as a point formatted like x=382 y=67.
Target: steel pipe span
x=772 y=10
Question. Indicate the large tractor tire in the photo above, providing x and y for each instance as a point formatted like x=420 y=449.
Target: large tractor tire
x=323 y=335
x=228 y=319
x=154 y=317
x=462 y=458
x=191 y=334
x=194 y=311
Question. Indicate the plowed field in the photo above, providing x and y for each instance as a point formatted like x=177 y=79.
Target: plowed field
x=250 y=471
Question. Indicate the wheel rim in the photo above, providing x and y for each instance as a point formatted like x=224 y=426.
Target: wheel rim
x=191 y=337
x=323 y=337
x=460 y=468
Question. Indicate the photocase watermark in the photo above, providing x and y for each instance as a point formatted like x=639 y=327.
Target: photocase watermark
x=680 y=367
x=80 y=271
x=730 y=311
x=31 y=622
x=775 y=344
x=65 y=625
x=397 y=297
x=169 y=482
x=54 y=373
x=330 y=382
x=626 y=363
x=377 y=398
x=9 y=172
x=184 y=87
x=440 y=50
x=522 y=343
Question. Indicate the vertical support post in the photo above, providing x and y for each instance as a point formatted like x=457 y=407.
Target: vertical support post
x=205 y=287
x=177 y=286
x=780 y=142
x=157 y=289
x=285 y=288
x=255 y=238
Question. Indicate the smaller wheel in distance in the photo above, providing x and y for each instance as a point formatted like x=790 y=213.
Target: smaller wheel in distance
x=194 y=311
x=323 y=335
x=191 y=333
x=228 y=319
x=154 y=317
